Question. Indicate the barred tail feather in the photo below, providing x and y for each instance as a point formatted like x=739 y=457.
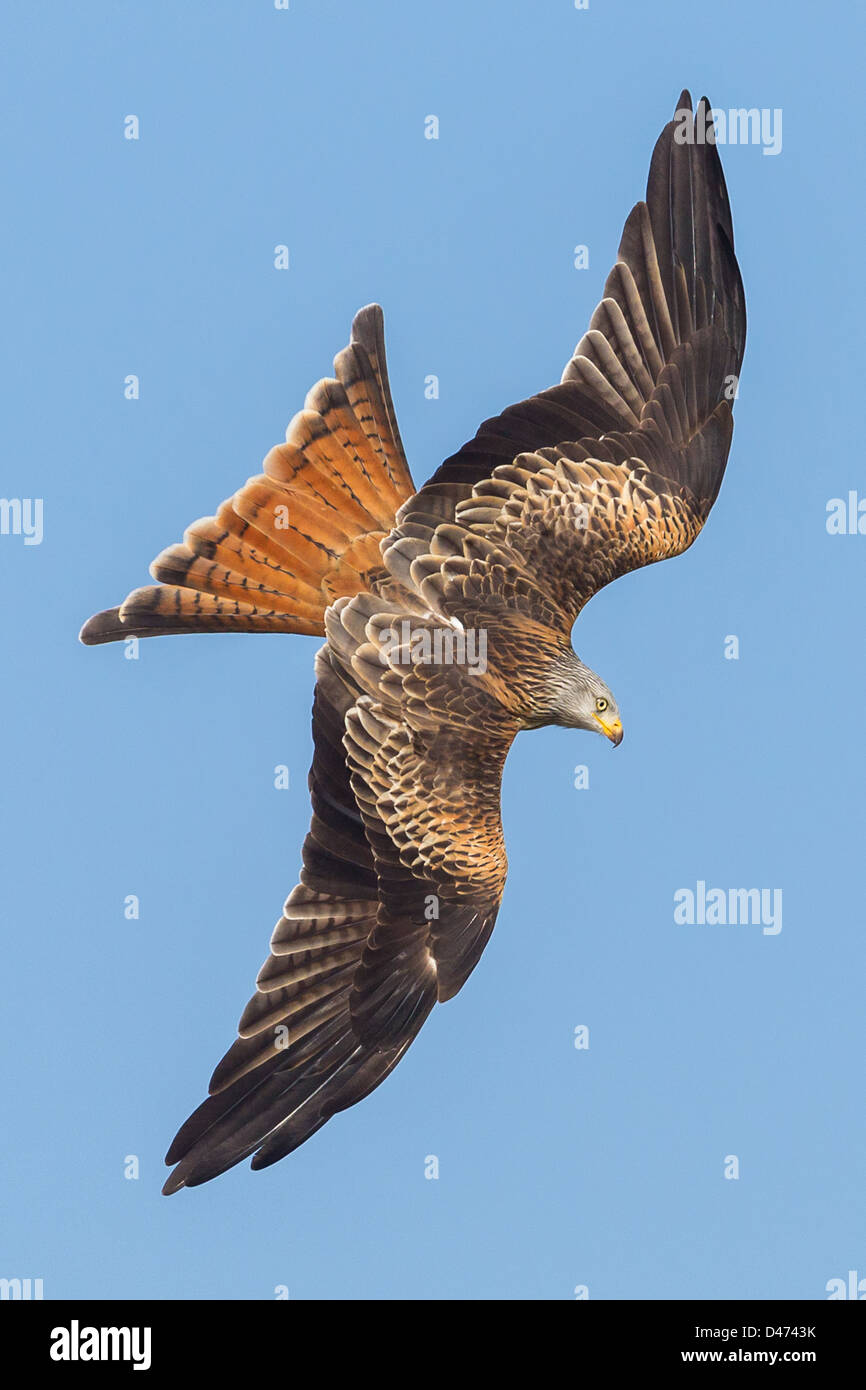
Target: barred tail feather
x=300 y=534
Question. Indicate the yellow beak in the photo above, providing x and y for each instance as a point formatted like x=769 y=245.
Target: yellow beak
x=612 y=731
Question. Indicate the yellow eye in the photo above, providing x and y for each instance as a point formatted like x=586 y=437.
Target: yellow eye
x=601 y=705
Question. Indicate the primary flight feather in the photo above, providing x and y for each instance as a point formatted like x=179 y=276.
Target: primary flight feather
x=404 y=865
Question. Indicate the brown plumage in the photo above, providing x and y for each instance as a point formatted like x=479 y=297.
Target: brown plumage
x=404 y=865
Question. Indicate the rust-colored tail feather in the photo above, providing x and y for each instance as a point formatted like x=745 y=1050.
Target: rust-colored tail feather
x=300 y=534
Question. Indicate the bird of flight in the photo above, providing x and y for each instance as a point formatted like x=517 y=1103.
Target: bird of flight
x=404 y=864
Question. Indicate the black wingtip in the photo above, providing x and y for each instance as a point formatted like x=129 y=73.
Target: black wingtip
x=102 y=627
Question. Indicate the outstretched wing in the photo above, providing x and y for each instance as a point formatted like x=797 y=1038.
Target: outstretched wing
x=404 y=867
x=619 y=465
x=296 y=536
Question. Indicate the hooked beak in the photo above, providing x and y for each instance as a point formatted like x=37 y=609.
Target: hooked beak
x=612 y=731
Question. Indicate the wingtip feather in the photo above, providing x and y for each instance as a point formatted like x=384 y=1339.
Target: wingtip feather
x=102 y=627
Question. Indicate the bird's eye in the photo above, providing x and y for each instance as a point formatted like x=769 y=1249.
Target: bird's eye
x=601 y=705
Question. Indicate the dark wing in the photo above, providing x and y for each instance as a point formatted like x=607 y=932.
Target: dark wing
x=299 y=534
x=620 y=464
x=404 y=867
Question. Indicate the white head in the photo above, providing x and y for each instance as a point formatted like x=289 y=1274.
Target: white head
x=581 y=700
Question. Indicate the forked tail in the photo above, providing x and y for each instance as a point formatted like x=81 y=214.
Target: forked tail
x=299 y=535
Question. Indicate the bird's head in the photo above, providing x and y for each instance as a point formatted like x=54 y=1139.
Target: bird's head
x=583 y=701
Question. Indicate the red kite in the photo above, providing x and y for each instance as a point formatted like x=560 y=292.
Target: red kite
x=404 y=864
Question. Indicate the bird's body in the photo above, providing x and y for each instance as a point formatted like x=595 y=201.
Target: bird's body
x=447 y=614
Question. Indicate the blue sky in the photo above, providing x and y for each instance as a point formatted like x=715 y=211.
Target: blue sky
x=558 y=1167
